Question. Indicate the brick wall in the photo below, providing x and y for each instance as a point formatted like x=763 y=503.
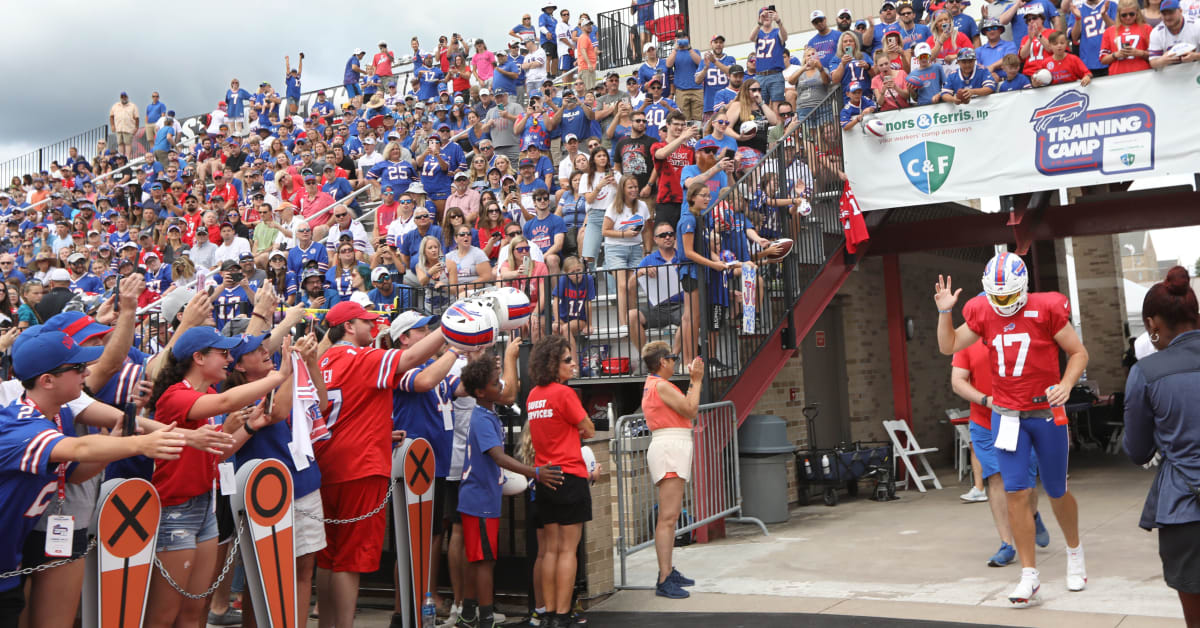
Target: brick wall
x=1101 y=308
x=598 y=533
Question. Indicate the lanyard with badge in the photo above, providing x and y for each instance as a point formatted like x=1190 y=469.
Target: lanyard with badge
x=60 y=528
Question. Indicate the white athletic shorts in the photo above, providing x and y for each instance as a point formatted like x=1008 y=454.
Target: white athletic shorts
x=670 y=452
x=310 y=533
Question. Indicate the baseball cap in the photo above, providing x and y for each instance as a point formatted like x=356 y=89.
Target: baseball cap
x=443 y=125
x=1168 y=5
x=380 y=273
x=229 y=265
x=39 y=350
x=526 y=162
x=246 y=344
x=128 y=245
x=124 y=94
x=150 y=254
x=1036 y=9
x=966 y=54
x=359 y=51
x=648 y=47
x=244 y=257
x=717 y=37
x=347 y=311
x=222 y=104
x=76 y=257
x=460 y=175
x=856 y=87
x=736 y=69
x=705 y=144
x=990 y=22
x=570 y=136
x=201 y=338
x=485 y=92
x=845 y=12
x=817 y=14
x=922 y=49
x=58 y=274
x=886 y=4
x=407 y=320
x=416 y=188
x=79 y=326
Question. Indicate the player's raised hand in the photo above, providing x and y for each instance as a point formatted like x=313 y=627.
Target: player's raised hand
x=944 y=295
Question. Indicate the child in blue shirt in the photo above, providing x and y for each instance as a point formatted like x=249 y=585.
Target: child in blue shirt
x=479 y=493
x=1011 y=79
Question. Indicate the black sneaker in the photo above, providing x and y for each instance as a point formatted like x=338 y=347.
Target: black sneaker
x=231 y=617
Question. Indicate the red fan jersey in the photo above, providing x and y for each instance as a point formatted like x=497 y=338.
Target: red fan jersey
x=852 y=220
x=1023 y=352
x=359 y=415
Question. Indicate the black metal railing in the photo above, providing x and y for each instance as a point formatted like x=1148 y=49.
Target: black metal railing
x=622 y=33
x=38 y=160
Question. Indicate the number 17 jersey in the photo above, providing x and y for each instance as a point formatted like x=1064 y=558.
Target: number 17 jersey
x=1024 y=355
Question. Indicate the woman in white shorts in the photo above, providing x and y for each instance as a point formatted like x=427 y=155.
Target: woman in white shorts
x=669 y=414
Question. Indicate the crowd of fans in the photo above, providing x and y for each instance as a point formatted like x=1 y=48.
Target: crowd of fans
x=276 y=239
x=924 y=53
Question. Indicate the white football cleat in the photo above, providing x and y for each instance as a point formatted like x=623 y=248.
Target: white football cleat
x=1076 y=570
x=1027 y=588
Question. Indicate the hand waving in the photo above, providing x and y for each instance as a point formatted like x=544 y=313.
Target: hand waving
x=944 y=295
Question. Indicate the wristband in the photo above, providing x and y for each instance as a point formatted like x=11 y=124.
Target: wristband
x=945 y=311
x=984 y=401
x=259 y=315
x=249 y=430
x=537 y=474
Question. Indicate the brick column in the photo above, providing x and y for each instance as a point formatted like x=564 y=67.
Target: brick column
x=598 y=533
x=1101 y=308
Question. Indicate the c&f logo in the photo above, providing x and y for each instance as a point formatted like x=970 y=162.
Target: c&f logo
x=927 y=165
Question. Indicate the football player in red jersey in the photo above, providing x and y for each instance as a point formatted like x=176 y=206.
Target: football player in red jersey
x=356 y=457
x=1023 y=333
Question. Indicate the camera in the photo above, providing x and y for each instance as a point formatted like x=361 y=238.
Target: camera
x=236 y=277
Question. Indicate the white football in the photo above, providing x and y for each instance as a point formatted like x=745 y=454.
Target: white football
x=1181 y=48
x=875 y=127
x=748 y=128
x=1042 y=78
x=469 y=324
x=805 y=207
x=512 y=483
x=589 y=458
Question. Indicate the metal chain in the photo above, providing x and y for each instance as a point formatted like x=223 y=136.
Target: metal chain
x=51 y=565
x=386 y=499
x=237 y=538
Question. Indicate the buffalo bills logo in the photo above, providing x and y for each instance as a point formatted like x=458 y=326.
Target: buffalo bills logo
x=1010 y=327
x=1071 y=138
x=459 y=310
x=68 y=342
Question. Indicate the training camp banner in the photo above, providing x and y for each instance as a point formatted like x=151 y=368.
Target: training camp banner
x=1120 y=128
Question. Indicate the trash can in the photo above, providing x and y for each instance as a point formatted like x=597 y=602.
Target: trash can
x=763 y=453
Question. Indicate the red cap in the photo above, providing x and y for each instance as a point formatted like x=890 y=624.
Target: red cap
x=347 y=311
x=221 y=104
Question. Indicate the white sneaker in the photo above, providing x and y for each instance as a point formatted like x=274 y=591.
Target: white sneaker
x=452 y=618
x=974 y=495
x=1027 y=588
x=1076 y=570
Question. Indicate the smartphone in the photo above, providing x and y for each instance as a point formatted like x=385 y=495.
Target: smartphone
x=770 y=7
x=129 y=422
x=117 y=295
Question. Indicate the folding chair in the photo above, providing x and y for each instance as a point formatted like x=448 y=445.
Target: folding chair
x=910 y=448
x=960 y=420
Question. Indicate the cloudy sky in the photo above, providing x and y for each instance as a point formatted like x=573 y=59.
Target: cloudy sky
x=65 y=63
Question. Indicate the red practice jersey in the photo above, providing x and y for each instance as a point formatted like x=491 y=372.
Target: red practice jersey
x=852 y=220
x=1023 y=352
x=359 y=415
x=976 y=359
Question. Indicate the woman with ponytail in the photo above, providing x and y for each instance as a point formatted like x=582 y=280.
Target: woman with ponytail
x=187 y=537
x=1162 y=393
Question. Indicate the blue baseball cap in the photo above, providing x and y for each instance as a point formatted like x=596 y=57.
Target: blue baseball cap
x=77 y=325
x=199 y=339
x=705 y=144
x=39 y=350
x=246 y=345
x=1168 y=5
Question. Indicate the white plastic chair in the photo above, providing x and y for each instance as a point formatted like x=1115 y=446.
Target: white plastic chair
x=905 y=451
x=962 y=441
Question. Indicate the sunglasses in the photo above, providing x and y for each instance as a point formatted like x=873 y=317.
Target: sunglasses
x=522 y=249
x=1133 y=14
x=514 y=234
x=665 y=234
x=721 y=122
x=539 y=199
x=407 y=202
x=907 y=13
x=756 y=89
x=341 y=215
x=493 y=211
x=422 y=217
x=464 y=233
x=78 y=368
x=671 y=356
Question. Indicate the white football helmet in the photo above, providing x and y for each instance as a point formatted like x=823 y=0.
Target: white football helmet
x=1006 y=283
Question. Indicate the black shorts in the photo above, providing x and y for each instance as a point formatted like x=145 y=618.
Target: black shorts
x=569 y=503
x=439 y=506
x=689 y=283
x=1179 y=548
x=551 y=49
x=450 y=502
x=226 y=527
x=667 y=211
x=663 y=314
x=719 y=314
x=34 y=552
x=12 y=602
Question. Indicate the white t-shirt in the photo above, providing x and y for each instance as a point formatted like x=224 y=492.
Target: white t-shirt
x=295 y=224
x=535 y=76
x=625 y=220
x=232 y=251
x=562 y=36
x=367 y=161
x=566 y=166
x=466 y=263
x=219 y=117
x=1162 y=39
x=606 y=195
x=398 y=227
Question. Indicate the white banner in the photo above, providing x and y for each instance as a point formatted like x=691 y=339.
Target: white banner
x=1119 y=128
